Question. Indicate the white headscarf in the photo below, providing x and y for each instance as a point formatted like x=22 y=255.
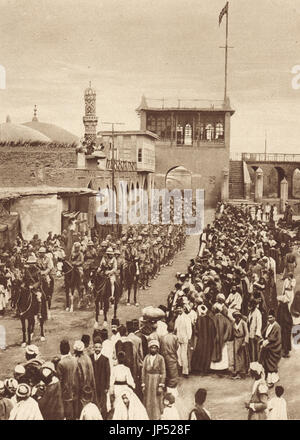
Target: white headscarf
x=136 y=410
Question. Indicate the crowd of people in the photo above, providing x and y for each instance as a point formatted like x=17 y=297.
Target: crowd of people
x=225 y=316
x=229 y=315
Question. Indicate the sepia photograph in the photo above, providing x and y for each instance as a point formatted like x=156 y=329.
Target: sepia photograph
x=149 y=212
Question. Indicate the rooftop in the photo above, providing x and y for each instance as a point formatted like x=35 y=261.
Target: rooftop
x=182 y=104
x=9 y=193
x=129 y=133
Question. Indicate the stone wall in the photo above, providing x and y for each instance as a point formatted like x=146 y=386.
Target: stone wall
x=38 y=215
x=205 y=165
x=37 y=165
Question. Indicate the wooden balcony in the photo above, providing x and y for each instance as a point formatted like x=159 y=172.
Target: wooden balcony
x=121 y=165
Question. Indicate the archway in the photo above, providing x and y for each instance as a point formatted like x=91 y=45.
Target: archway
x=252 y=171
x=272 y=182
x=296 y=184
x=178 y=178
x=281 y=175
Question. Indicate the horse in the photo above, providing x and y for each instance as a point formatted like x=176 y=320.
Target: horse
x=31 y=303
x=131 y=278
x=103 y=294
x=76 y=283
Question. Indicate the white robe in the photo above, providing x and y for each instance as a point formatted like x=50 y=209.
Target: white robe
x=170 y=413
x=135 y=411
x=277 y=409
x=90 y=412
x=26 y=410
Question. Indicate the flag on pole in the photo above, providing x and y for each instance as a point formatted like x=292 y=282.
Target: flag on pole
x=223 y=12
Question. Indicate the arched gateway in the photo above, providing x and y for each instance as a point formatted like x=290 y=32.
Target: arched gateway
x=194 y=136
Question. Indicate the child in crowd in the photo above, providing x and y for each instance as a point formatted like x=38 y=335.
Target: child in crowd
x=170 y=411
x=277 y=409
x=199 y=412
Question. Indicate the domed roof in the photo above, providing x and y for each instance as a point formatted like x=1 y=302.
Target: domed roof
x=10 y=132
x=53 y=132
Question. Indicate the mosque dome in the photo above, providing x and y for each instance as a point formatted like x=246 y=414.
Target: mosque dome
x=52 y=131
x=10 y=132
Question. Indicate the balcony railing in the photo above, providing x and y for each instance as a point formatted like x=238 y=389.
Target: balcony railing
x=196 y=143
x=163 y=103
x=121 y=165
x=265 y=157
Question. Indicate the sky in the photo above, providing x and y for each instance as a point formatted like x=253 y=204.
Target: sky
x=51 y=49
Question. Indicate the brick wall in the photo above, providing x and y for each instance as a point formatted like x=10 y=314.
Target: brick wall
x=36 y=165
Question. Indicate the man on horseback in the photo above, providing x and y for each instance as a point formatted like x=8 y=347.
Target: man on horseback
x=77 y=260
x=32 y=301
x=45 y=266
x=119 y=277
x=67 y=270
x=132 y=271
x=109 y=262
x=104 y=284
x=89 y=265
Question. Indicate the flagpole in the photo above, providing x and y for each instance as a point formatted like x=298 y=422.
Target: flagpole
x=226 y=54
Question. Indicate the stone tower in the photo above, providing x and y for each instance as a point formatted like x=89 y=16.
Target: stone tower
x=90 y=119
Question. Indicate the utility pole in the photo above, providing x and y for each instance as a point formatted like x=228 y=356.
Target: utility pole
x=226 y=47
x=113 y=160
x=265 y=145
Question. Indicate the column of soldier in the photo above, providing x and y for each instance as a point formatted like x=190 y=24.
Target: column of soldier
x=40 y=264
x=36 y=390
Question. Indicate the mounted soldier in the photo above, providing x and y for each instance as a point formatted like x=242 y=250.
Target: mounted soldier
x=32 y=300
x=89 y=265
x=45 y=266
x=132 y=270
x=104 y=282
x=77 y=272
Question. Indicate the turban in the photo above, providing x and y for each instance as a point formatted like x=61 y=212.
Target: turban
x=153 y=342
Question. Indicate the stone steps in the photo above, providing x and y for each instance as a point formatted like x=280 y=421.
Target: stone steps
x=236 y=179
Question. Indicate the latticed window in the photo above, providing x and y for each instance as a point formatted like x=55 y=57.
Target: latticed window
x=161 y=127
x=179 y=131
x=168 y=128
x=140 y=155
x=209 y=132
x=188 y=134
x=151 y=124
x=219 y=131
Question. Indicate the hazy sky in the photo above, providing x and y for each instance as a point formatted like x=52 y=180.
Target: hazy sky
x=52 y=48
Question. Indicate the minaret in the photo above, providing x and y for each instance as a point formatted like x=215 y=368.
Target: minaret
x=35 y=119
x=90 y=119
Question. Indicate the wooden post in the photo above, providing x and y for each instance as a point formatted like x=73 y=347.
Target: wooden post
x=193 y=131
x=199 y=132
